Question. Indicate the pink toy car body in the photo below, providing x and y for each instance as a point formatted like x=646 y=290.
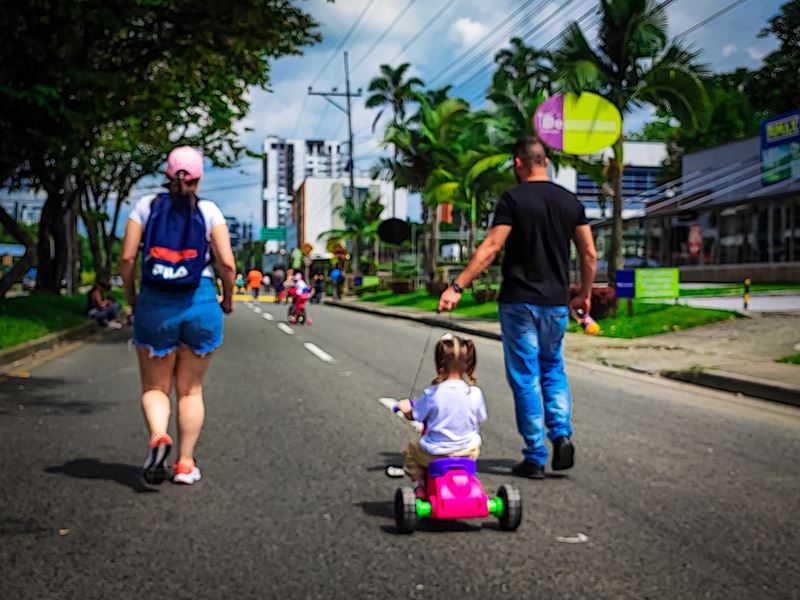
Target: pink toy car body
x=454 y=492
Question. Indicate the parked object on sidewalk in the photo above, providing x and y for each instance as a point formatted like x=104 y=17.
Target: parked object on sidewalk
x=746 y=294
x=454 y=492
x=587 y=323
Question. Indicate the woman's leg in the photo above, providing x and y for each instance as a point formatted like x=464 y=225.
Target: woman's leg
x=156 y=374
x=190 y=370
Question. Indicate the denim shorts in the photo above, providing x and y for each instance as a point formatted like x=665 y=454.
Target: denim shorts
x=164 y=320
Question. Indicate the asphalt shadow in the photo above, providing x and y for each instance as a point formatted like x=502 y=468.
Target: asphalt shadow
x=43 y=395
x=91 y=468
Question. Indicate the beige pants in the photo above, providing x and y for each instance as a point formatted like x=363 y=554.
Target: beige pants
x=417 y=460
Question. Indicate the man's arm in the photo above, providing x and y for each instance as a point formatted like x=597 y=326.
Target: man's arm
x=588 y=257
x=483 y=257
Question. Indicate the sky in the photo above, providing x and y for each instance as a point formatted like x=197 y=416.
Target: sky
x=388 y=26
x=727 y=42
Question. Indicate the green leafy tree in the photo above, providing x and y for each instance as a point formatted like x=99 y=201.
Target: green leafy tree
x=79 y=69
x=360 y=225
x=633 y=64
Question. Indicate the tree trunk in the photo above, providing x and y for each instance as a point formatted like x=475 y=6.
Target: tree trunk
x=55 y=247
x=433 y=252
x=93 y=233
x=23 y=263
x=355 y=259
x=614 y=257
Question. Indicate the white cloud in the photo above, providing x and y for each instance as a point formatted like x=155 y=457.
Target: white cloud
x=755 y=54
x=728 y=50
x=466 y=32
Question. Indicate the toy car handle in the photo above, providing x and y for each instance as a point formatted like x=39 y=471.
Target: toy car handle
x=396 y=408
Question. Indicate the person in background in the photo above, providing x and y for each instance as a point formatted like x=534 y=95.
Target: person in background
x=103 y=310
x=254 y=279
x=239 y=283
x=319 y=288
x=336 y=278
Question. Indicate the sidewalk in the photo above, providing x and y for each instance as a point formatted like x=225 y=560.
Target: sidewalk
x=737 y=356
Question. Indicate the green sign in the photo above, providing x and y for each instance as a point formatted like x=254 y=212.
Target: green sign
x=657 y=283
x=273 y=234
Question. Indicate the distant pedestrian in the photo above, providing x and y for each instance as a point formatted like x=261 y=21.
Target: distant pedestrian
x=178 y=317
x=319 y=288
x=103 y=310
x=535 y=221
x=254 y=279
x=336 y=276
x=239 y=283
x=266 y=282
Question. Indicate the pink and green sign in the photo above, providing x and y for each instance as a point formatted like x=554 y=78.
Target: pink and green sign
x=577 y=124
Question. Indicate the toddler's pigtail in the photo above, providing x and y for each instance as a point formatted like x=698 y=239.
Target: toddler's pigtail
x=470 y=360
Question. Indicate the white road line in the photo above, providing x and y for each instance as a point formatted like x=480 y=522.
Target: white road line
x=257 y=310
x=318 y=352
x=268 y=316
x=285 y=329
x=388 y=402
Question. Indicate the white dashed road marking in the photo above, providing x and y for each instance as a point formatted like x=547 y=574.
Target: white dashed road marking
x=318 y=352
x=390 y=403
x=285 y=329
x=257 y=310
x=268 y=316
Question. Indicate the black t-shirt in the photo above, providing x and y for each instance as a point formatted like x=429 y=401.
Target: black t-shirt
x=543 y=217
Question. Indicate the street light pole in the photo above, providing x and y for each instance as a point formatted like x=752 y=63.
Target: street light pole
x=347 y=110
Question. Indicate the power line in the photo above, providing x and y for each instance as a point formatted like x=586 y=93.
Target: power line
x=424 y=28
x=491 y=33
x=382 y=36
x=527 y=35
x=343 y=41
x=708 y=20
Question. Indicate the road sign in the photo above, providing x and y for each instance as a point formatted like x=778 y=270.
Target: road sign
x=657 y=283
x=273 y=234
x=307 y=249
x=626 y=283
x=577 y=124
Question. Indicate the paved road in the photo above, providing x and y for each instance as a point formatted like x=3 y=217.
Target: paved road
x=758 y=303
x=682 y=493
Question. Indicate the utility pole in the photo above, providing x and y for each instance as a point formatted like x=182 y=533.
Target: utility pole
x=347 y=109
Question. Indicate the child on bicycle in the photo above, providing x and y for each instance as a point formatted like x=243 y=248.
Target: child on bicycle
x=451 y=409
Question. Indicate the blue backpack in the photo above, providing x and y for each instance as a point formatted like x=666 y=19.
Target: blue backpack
x=175 y=245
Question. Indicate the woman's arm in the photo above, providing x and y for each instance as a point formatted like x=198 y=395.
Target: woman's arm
x=223 y=253
x=127 y=262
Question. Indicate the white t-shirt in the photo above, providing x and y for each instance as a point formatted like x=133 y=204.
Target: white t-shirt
x=212 y=216
x=452 y=412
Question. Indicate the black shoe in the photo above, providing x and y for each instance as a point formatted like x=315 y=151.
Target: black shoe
x=528 y=469
x=563 y=454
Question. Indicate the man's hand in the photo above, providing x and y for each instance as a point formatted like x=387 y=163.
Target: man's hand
x=580 y=304
x=449 y=299
x=227 y=305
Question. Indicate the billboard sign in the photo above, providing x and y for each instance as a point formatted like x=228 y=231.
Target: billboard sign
x=578 y=125
x=780 y=148
x=657 y=283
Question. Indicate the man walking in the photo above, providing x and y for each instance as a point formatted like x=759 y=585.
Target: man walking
x=535 y=221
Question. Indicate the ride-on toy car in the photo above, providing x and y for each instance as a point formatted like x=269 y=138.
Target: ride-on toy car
x=454 y=492
x=297 y=309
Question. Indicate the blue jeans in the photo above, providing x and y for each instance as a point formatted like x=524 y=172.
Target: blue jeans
x=533 y=344
x=165 y=320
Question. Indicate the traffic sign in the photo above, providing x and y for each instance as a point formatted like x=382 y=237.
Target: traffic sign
x=273 y=234
x=307 y=249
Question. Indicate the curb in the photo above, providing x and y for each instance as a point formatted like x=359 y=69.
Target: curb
x=741 y=384
x=715 y=379
x=48 y=341
x=433 y=321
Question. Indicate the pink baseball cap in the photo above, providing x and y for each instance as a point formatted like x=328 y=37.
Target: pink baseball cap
x=186 y=159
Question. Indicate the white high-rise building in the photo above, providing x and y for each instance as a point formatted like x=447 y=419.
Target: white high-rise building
x=288 y=163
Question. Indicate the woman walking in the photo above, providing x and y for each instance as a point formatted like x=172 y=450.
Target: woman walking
x=178 y=316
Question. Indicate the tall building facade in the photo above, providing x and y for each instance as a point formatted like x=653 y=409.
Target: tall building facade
x=287 y=163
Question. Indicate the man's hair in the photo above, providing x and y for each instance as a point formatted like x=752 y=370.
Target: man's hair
x=531 y=152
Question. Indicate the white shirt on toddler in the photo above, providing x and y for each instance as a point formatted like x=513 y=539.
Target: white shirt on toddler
x=452 y=412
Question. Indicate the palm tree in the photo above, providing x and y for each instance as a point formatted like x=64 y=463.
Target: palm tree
x=389 y=91
x=633 y=64
x=360 y=224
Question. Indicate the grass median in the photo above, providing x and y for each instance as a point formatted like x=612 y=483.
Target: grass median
x=647 y=319
x=27 y=318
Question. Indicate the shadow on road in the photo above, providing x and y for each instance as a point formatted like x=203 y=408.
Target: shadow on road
x=42 y=395
x=91 y=468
